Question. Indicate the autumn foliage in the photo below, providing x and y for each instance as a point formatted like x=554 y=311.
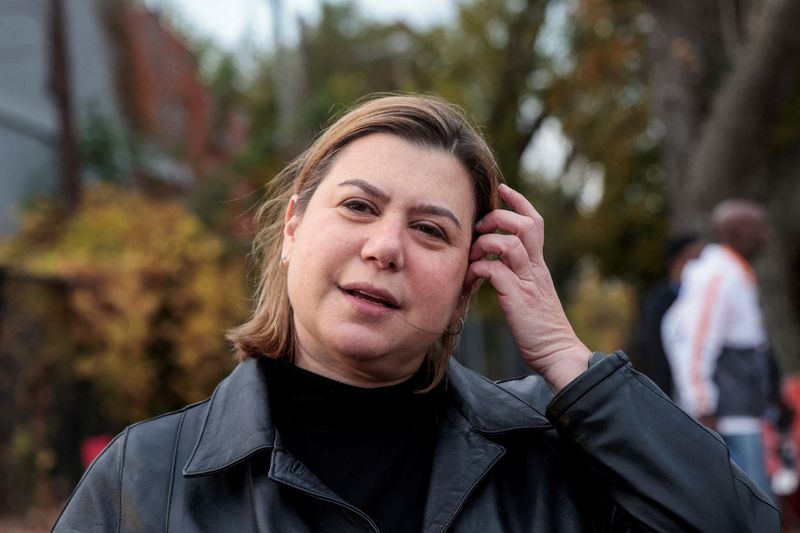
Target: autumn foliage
x=134 y=294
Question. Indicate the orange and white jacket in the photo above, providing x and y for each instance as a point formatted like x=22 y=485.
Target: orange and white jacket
x=715 y=340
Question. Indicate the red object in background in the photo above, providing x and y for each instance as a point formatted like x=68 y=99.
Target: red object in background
x=91 y=448
x=790 y=505
x=791 y=396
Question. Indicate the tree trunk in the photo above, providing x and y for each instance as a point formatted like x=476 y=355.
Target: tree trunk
x=686 y=65
x=779 y=273
x=733 y=145
x=509 y=137
x=60 y=85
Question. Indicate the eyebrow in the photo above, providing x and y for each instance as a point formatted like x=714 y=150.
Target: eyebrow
x=423 y=208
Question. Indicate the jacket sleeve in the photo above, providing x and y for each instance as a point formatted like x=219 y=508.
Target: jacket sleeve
x=659 y=466
x=692 y=333
x=94 y=505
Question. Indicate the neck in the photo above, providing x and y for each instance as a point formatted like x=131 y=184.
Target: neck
x=353 y=371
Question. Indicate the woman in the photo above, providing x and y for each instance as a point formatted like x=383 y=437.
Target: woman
x=347 y=413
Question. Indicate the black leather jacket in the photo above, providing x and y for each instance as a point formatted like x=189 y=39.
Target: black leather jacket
x=609 y=453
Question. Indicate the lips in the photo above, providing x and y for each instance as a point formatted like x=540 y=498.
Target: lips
x=371 y=294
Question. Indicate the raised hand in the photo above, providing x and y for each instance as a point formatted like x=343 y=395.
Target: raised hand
x=508 y=254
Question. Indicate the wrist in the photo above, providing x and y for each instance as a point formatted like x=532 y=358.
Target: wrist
x=562 y=366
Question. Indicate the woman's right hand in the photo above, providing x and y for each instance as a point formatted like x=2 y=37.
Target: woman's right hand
x=525 y=289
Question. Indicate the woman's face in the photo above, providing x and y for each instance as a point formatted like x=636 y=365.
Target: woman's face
x=376 y=262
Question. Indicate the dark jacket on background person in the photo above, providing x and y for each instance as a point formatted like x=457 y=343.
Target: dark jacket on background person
x=653 y=360
x=609 y=453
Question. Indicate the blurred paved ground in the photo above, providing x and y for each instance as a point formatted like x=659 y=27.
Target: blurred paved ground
x=35 y=521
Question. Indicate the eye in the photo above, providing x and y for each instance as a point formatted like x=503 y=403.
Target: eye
x=359 y=206
x=432 y=231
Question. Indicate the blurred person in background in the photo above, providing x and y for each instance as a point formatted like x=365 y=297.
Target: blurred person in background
x=715 y=339
x=347 y=412
x=652 y=361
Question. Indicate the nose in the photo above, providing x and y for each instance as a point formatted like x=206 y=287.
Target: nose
x=384 y=245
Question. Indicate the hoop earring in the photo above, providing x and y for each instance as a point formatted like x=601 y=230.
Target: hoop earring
x=459 y=327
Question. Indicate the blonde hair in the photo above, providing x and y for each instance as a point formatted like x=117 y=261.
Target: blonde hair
x=426 y=121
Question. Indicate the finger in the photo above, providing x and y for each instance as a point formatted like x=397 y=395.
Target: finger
x=496 y=273
x=518 y=203
x=520 y=225
x=509 y=248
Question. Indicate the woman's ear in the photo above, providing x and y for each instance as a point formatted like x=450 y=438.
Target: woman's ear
x=468 y=291
x=463 y=301
x=290 y=222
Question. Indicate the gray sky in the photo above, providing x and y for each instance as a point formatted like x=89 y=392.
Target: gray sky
x=235 y=21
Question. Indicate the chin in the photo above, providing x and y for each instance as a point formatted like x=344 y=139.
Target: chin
x=363 y=344
x=360 y=347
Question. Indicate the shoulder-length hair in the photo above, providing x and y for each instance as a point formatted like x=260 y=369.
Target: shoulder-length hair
x=427 y=121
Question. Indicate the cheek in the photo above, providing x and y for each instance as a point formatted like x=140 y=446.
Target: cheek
x=320 y=251
x=319 y=238
x=444 y=280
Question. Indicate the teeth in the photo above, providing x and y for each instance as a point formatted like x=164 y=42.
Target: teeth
x=371 y=298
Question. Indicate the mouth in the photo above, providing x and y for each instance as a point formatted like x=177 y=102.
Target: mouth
x=372 y=295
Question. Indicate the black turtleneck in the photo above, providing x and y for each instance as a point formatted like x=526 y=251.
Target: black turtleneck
x=372 y=447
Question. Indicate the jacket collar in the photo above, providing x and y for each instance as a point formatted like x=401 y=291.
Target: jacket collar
x=489 y=407
x=238 y=422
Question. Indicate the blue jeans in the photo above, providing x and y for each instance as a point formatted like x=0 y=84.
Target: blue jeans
x=747 y=451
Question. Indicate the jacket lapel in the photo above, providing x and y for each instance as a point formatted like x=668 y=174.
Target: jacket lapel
x=462 y=458
x=464 y=455
x=237 y=423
